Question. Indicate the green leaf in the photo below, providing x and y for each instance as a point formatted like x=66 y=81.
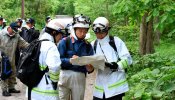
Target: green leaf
x=164 y=18
x=138 y=93
x=171 y=33
x=148 y=18
x=148 y=80
x=170 y=87
x=155 y=12
x=155 y=71
x=157 y=94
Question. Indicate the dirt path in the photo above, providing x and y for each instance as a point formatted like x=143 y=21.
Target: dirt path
x=21 y=96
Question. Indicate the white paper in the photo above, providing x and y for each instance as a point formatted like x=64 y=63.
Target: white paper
x=97 y=61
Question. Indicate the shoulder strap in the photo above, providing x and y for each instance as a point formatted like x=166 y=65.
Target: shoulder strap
x=112 y=43
x=68 y=47
x=88 y=46
x=95 y=45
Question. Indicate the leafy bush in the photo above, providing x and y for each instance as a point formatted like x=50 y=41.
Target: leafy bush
x=154 y=78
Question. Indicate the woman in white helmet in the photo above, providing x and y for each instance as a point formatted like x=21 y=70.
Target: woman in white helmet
x=49 y=57
x=111 y=84
x=72 y=77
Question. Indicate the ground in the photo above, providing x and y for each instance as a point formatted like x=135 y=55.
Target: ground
x=21 y=96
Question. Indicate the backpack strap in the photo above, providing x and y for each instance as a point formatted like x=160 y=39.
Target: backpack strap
x=95 y=45
x=112 y=43
x=68 y=46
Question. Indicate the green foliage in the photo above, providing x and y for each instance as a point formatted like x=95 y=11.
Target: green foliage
x=152 y=84
x=151 y=77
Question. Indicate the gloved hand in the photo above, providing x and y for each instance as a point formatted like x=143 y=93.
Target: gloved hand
x=112 y=65
x=54 y=84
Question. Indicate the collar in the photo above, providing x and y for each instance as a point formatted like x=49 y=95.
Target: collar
x=47 y=36
x=104 y=40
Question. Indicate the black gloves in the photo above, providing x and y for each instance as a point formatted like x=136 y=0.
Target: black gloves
x=112 y=65
x=54 y=84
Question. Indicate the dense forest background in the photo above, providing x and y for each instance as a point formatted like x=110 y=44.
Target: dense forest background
x=146 y=26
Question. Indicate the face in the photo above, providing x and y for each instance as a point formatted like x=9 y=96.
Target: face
x=58 y=37
x=10 y=30
x=19 y=24
x=1 y=22
x=81 y=33
x=30 y=25
x=100 y=35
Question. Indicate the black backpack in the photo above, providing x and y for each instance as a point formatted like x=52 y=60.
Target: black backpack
x=6 y=69
x=28 y=71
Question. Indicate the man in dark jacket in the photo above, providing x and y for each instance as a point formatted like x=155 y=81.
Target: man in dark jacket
x=28 y=32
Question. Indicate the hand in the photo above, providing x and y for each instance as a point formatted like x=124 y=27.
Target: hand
x=73 y=57
x=54 y=84
x=112 y=65
x=89 y=68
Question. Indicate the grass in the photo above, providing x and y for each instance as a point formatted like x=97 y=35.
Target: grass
x=166 y=48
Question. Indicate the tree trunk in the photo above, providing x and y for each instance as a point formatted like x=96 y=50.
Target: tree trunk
x=146 y=36
x=149 y=38
x=157 y=33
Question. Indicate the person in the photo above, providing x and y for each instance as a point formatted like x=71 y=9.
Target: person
x=1 y=23
x=111 y=83
x=4 y=23
x=19 y=21
x=29 y=33
x=11 y=41
x=49 y=58
x=47 y=20
x=72 y=77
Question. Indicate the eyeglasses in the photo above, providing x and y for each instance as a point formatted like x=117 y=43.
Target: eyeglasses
x=99 y=28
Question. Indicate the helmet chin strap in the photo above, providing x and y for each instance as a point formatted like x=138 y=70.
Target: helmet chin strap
x=54 y=36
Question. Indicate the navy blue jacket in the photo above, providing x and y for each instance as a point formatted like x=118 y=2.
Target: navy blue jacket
x=75 y=47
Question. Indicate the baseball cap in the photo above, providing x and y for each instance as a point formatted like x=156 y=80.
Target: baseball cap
x=30 y=20
x=14 y=26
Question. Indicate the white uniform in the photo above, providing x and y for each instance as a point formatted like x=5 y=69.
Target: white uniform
x=111 y=82
x=50 y=57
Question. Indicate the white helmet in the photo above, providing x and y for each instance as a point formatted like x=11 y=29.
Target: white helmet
x=81 y=21
x=100 y=24
x=57 y=25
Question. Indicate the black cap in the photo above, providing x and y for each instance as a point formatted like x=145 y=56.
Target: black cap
x=19 y=20
x=48 y=18
x=30 y=20
x=14 y=26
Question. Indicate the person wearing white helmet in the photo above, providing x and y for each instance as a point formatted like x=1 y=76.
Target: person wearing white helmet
x=111 y=83
x=72 y=77
x=49 y=58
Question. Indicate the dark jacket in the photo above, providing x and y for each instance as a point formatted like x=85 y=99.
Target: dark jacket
x=75 y=47
x=29 y=34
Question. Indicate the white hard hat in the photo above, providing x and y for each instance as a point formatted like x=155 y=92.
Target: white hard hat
x=100 y=24
x=56 y=25
x=81 y=21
